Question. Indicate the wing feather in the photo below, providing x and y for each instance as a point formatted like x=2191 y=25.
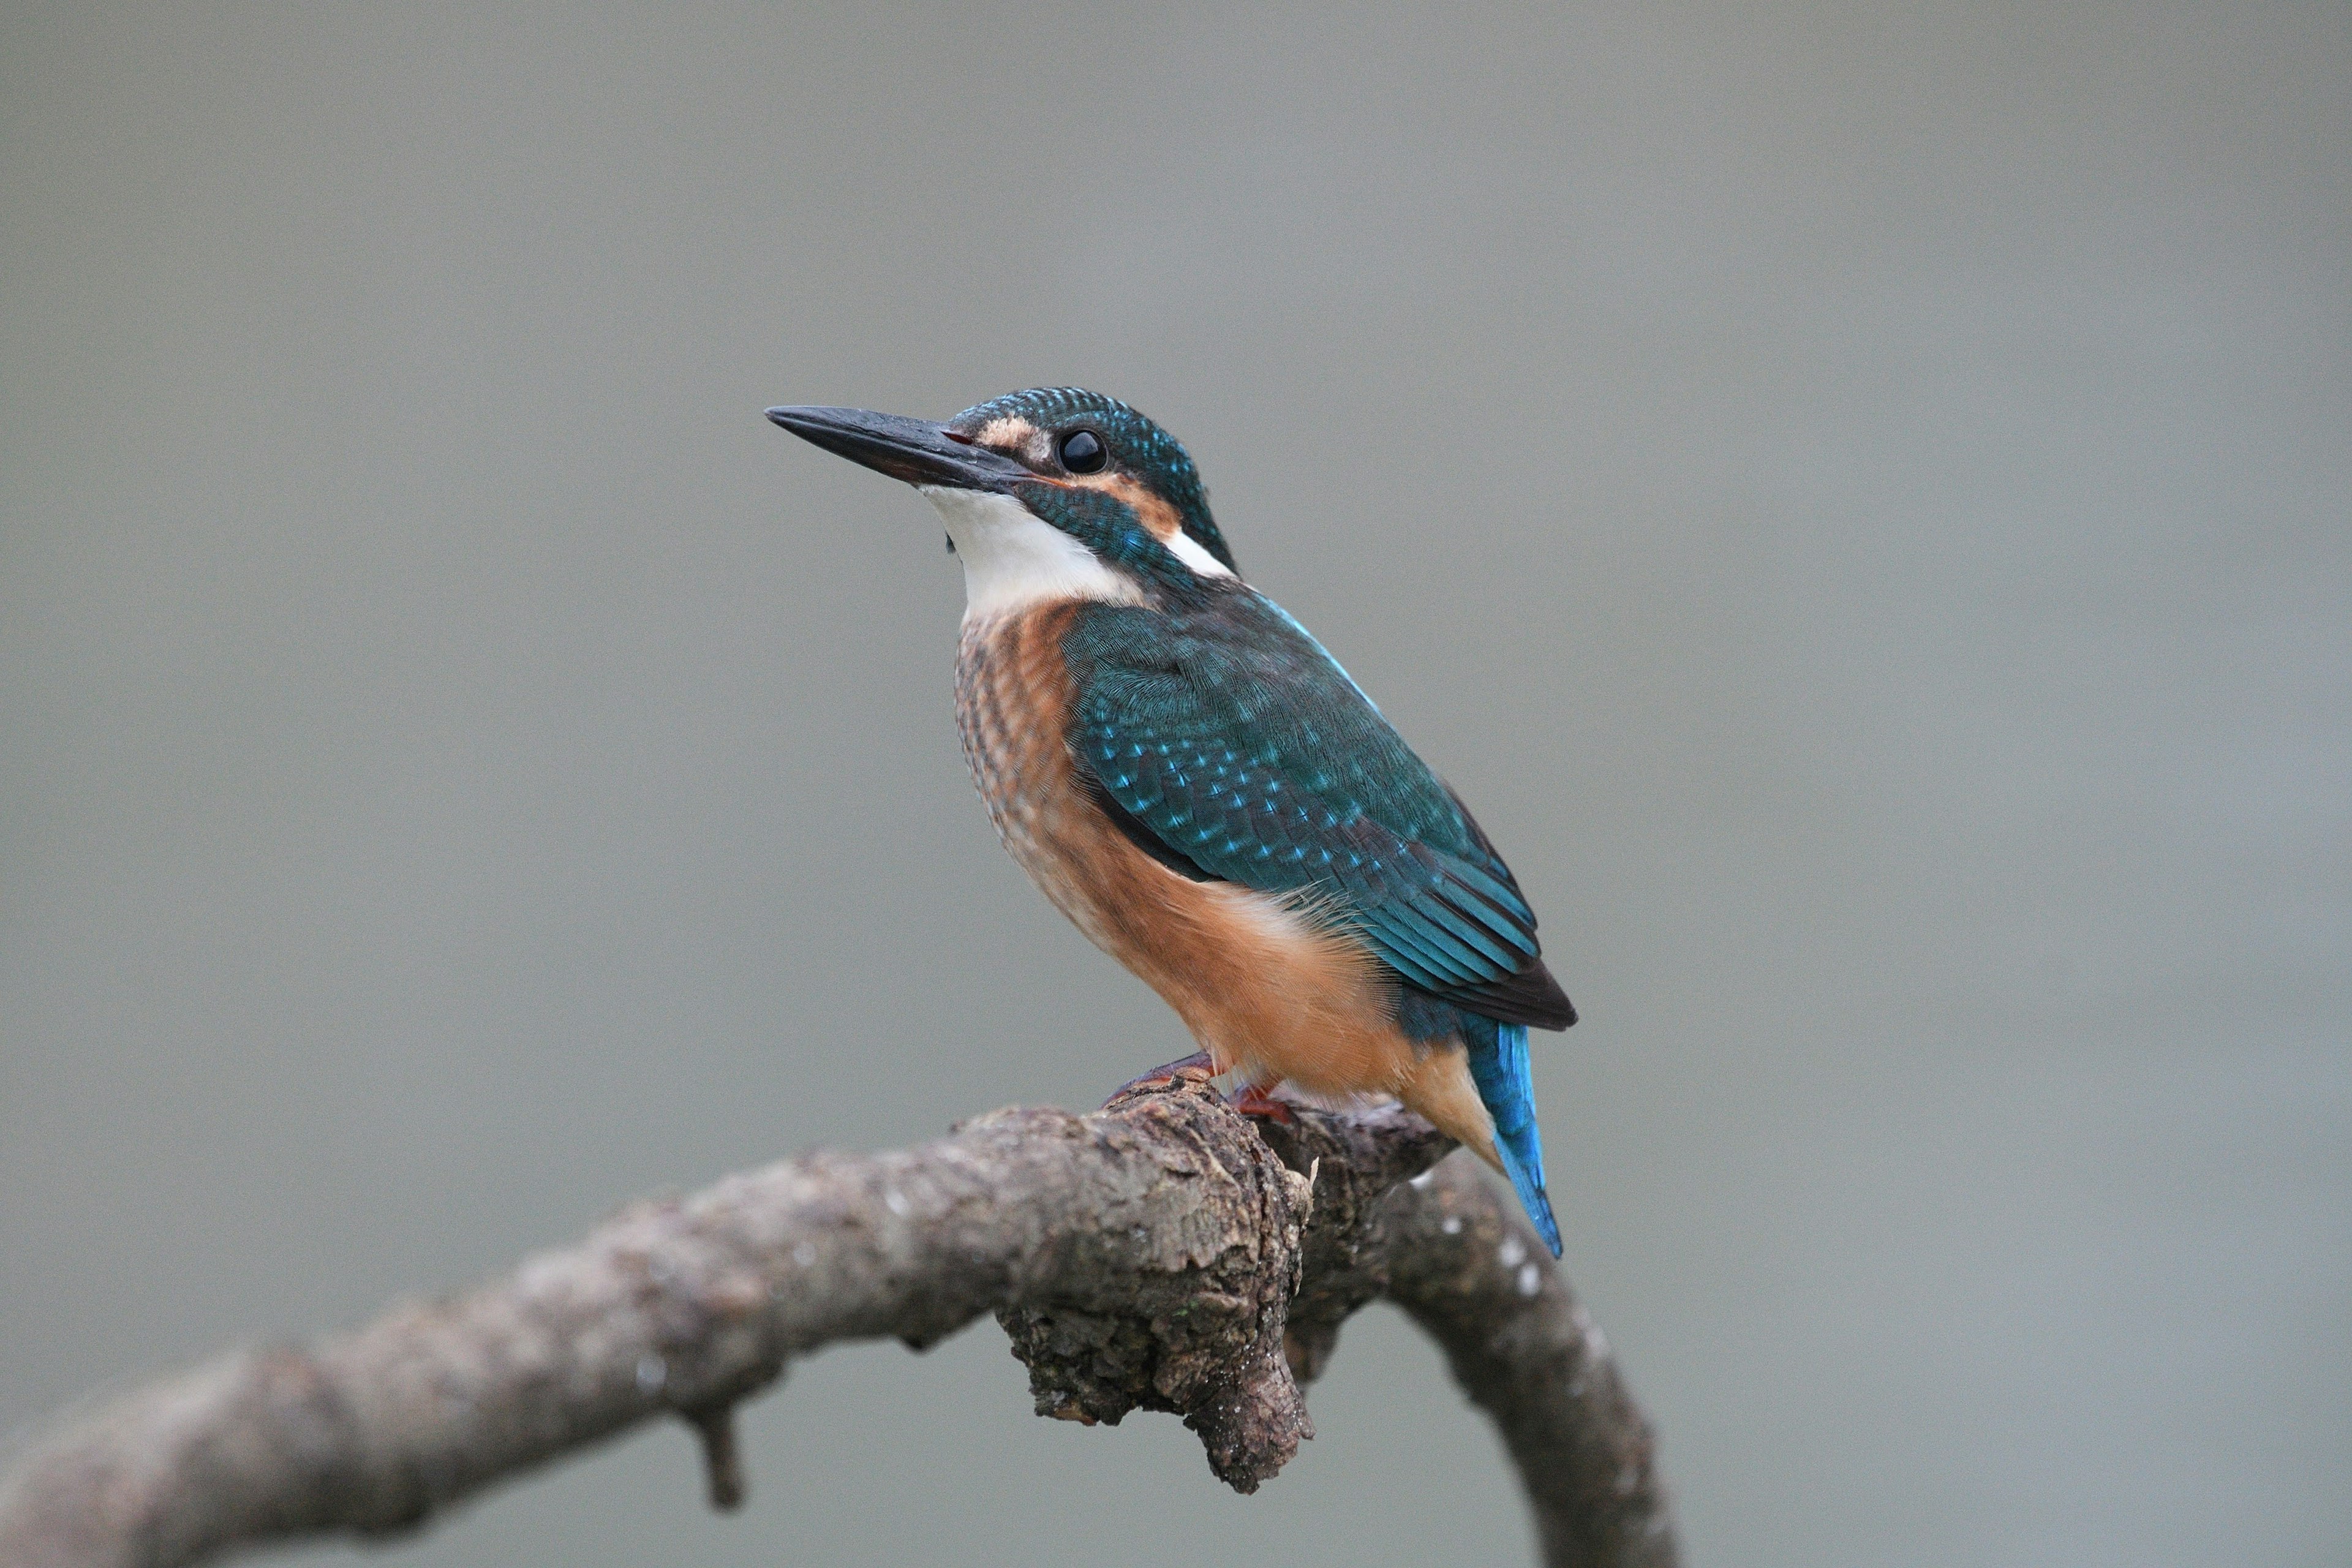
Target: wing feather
x=1245 y=753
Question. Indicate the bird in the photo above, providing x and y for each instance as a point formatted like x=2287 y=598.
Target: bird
x=1186 y=775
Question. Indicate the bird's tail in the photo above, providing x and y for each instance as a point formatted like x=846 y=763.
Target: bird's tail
x=1498 y=1066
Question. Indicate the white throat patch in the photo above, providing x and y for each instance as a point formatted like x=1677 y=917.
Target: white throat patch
x=1014 y=558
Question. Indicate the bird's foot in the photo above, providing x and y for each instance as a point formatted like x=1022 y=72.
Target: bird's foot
x=1253 y=1099
x=1197 y=1065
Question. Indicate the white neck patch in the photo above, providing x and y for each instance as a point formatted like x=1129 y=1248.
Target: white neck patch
x=1014 y=558
x=1187 y=549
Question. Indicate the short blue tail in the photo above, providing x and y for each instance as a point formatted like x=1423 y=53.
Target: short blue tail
x=1498 y=1066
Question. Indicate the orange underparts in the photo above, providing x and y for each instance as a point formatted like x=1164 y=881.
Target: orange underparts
x=1268 y=992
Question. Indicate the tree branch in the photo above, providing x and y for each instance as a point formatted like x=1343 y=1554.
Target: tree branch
x=1165 y=1253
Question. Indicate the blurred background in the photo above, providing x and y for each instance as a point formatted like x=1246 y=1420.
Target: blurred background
x=1856 y=499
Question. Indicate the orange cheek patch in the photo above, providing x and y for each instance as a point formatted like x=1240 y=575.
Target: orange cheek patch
x=1156 y=514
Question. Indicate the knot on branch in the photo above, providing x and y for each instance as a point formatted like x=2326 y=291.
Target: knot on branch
x=1188 y=1314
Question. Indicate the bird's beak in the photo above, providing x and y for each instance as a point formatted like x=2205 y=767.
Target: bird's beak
x=915 y=450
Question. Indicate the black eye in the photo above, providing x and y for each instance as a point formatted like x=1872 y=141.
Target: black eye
x=1082 y=452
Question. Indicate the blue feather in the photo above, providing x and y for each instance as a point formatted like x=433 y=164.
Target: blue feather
x=1229 y=736
x=1498 y=1066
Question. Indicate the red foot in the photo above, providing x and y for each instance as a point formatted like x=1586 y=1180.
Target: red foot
x=1168 y=1073
x=1252 y=1099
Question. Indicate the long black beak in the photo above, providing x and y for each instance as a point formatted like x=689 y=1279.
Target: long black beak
x=915 y=450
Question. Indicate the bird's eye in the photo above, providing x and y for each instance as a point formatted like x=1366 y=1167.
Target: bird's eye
x=1082 y=452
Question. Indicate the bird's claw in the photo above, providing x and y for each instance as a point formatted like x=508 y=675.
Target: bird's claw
x=1252 y=1099
x=1197 y=1065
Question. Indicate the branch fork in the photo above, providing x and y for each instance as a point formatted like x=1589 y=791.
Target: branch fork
x=1165 y=1253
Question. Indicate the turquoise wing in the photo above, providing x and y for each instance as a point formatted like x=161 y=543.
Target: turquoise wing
x=1243 y=751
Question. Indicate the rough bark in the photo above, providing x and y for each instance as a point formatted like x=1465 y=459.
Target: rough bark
x=1165 y=1253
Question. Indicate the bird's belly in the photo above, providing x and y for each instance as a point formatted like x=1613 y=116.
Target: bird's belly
x=1262 y=986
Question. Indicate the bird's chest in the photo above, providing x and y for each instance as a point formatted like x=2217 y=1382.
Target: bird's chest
x=1012 y=710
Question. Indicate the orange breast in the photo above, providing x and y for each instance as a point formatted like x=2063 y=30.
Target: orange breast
x=1262 y=986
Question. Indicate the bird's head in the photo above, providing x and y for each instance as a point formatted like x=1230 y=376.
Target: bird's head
x=1053 y=493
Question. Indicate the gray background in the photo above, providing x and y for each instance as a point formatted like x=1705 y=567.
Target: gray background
x=1855 y=500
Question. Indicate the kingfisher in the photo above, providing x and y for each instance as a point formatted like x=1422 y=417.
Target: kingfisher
x=1186 y=773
